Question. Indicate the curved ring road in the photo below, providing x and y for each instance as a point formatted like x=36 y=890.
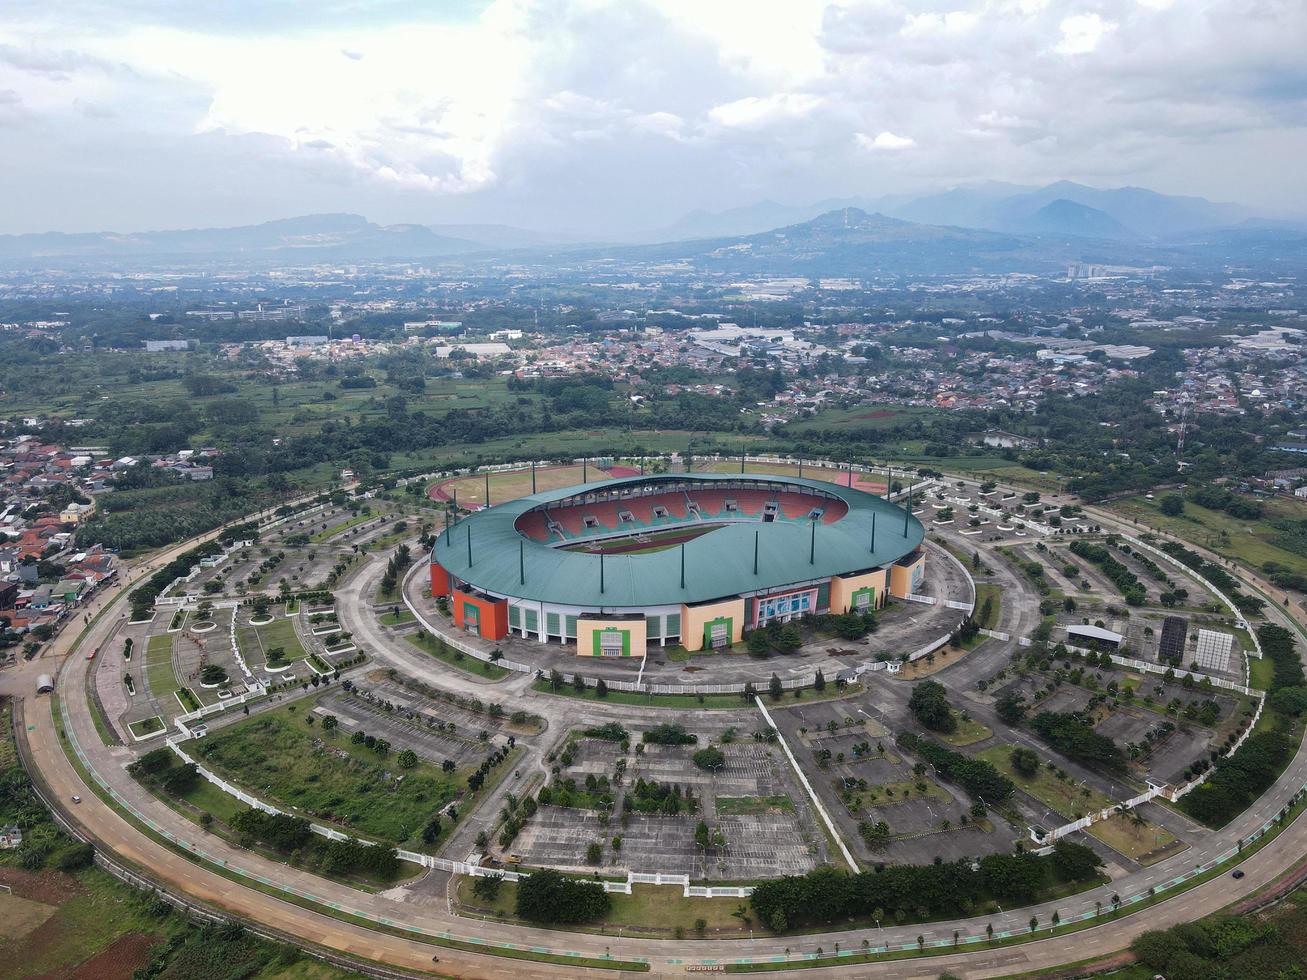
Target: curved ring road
x=113 y=832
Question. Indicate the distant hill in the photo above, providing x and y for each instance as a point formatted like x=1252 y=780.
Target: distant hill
x=311 y=238
x=1063 y=217
x=849 y=241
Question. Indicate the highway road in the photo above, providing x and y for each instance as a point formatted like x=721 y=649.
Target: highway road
x=667 y=958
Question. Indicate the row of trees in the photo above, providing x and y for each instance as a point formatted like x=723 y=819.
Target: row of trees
x=1075 y=737
x=979 y=778
x=1131 y=588
x=828 y=895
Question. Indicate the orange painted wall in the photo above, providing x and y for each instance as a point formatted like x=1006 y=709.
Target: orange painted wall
x=492 y=614
x=439 y=580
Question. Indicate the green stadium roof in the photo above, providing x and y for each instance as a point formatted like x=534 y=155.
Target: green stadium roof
x=718 y=564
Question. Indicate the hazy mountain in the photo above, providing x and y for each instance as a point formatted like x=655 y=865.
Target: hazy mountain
x=1079 y=210
x=311 y=238
x=849 y=241
x=1063 y=217
x=968 y=206
x=748 y=220
x=754 y=219
x=1008 y=207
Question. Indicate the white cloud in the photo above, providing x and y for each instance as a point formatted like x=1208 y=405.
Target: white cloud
x=1082 y=33
x=755 y=111
x=630 y=110
x=885 y=141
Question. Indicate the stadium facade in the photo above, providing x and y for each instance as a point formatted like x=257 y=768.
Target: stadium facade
x=696 y=559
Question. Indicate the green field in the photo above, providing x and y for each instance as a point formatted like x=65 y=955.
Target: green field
x=398 y=618
x=274 y=756
x=1063 y=797
x=1250 y=542
x=158 y=666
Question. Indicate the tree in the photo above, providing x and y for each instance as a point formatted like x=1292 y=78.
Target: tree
x=487 y=887
x=711 y=759
x=601 y=689
x=329 y=722
x=775 y=689
x=407 y=759
x=548 y=896
x=594 y=853
x=1025 y=762
x=1011 y=708
x=930 y=706
x=1075 y=862
x=701 y=835
x=759 y=645
x=819 y=681
x=1172 y=505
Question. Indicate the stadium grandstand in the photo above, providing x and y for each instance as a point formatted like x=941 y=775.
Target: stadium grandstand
x=695 y=559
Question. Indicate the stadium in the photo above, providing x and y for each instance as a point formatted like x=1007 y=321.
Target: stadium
x=693 y=559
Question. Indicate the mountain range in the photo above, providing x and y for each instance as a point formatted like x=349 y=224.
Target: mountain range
x=1060 y=208
x=985 y=228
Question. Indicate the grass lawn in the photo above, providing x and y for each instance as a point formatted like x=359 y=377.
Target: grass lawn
x=990 y=591
x=396 y=618
x=969 y=731
x=736 y=806
x=456 y=659
x=1260 y=672
x=1136 y=842
x=146 y=726
x=255 y=641
x=273 y=755
x=1062 y=797
x=1250 y=542
x=659 y=908
x=158 y=666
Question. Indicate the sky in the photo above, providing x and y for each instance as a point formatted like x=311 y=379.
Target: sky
x=605 y=117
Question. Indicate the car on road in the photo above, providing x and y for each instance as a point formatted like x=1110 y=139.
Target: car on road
x=77 y=799
x=1238 y=873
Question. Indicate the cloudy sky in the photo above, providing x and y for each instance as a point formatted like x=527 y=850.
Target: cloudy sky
x=602 y=116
